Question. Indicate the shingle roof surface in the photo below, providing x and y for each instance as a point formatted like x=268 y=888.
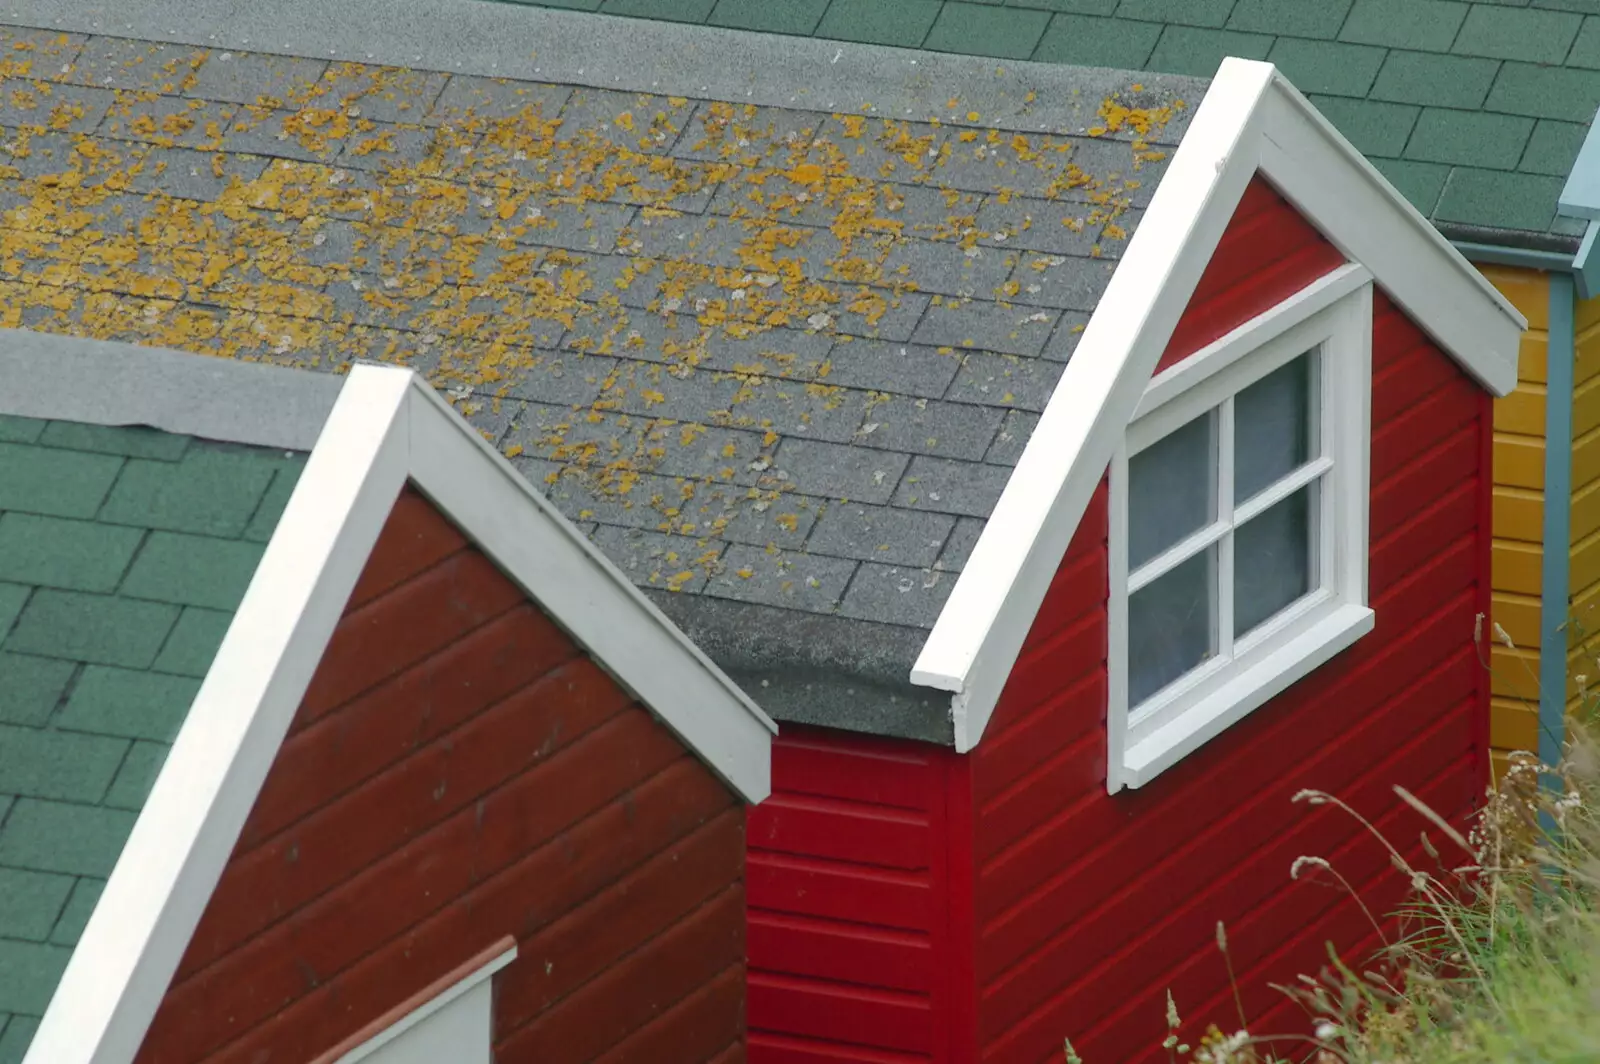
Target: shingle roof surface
x=123 y=555
x=772 y=356
x=1475 y=109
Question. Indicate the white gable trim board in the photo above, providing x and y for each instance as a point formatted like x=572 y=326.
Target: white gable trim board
x=1251 y=120
x=386 y=427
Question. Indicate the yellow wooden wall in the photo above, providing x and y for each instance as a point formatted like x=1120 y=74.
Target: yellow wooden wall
x=1518 y=521
x=1584 y=585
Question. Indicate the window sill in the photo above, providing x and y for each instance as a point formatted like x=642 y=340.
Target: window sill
x=1149 y=754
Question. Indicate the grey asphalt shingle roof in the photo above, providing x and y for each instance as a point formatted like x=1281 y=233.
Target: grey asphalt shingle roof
x=770 y=357
x=1475 y=109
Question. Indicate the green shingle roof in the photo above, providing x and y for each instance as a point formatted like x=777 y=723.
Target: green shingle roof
x=123 y=555
x=1475 y=109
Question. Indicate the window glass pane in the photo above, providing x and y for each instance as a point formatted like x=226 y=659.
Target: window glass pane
x=1272 y=427
x=1272 y=560
x=1170 y=625
x=1172 y=489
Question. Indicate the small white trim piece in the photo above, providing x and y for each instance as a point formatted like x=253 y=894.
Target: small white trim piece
x=179 y=845
x=481 y=1007
x=1250 y=119
x=981 y=627
x=1262 y=329
x=1182 y=717
x=1245 y=692
x=583 y=591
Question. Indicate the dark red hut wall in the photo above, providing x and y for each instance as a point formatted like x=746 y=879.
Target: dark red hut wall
x=460 y=771
x=849 y=952
x=1089 y=906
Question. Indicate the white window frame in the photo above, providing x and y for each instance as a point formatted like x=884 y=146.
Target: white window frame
x=451 y=1021
x=1334 y=317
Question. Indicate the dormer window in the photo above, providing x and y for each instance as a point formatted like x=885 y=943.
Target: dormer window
x=1238 y=529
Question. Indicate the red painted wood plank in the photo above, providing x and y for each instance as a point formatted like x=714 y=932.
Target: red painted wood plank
x=1267 y=254
x=600 y=933
x=627 y=997
x=837 y=891
x=1204 y=869
x=1031 y=737
x=841 y=952
x=416 y=538
x=713 y=1016
x=1434 y=474
x=356 y=741
x=840 y=1013
x=873 y=772
x=771 y=1048
x=1406 y=381
x=1075 y=770
x=1320 y=910
x=841 y=831
x=1018 y=906
x=1077 y=590
x=1417 y=431
x=404 y=625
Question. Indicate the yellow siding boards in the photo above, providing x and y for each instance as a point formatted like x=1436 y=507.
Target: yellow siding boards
x=1583 y=632
x=1513 y=673
x=1518 y=615
x=1513 y=725
x=1516 y=567
x=1518 y=515
x=1519 y=461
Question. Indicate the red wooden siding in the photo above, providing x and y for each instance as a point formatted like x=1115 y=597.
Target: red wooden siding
x=460 y=771
x=847 y=902
x=1268 y=253
x=1089 y=907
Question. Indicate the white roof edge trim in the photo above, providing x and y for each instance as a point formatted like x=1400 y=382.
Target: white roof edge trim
x=180 y=843
x=555 y=564
x=1250 y=119
x=980 y=630
x=1343 y=194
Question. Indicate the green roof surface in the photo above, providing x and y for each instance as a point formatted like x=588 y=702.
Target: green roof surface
x=123 y=555
x=1475 y=109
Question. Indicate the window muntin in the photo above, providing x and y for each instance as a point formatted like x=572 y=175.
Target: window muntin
x=1222 y=528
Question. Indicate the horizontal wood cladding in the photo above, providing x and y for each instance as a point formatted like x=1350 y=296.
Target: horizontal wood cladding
x=1267 y=254
x=1584 y=576
x=1088 y=907
x=458 y=771
x=1516 y=572
x=847 y=902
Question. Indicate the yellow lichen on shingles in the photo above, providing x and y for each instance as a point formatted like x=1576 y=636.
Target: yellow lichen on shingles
x=434 y=262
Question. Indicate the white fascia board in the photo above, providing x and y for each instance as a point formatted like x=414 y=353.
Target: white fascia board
x=545 y=554
x=136 y=936
x=1363 y=215
x=980 y=630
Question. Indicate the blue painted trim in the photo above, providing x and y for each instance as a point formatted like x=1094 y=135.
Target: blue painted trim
x=1547 y=261
x=1555 y=568
x=1580 y=197
x=1586 y=266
